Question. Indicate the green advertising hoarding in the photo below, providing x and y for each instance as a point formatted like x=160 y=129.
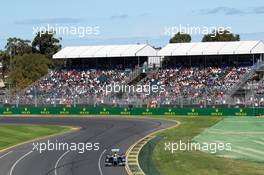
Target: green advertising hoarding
x=134 y=111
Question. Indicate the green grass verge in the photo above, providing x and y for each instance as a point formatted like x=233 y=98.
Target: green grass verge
x=11 y=135
x=196 y=162
x=245 y=134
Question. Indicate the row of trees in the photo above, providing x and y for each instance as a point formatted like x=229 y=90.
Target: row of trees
x=45 y=44
x=25 y=62
x=215 y=36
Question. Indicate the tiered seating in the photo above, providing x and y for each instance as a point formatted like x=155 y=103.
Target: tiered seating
x=181 y=83
x=66 y=85
x=209 y=83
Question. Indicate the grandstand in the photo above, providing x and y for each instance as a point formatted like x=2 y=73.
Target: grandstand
x=208 y=74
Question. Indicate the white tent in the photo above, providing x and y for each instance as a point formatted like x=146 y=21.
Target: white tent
x=134 y=50
x=213 y=48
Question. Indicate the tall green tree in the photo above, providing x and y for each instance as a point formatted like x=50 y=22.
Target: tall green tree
x=181 y=38
x=46 y=44
x=220 y=36
x=17 y=46
x=5 y=59
x=26 y=69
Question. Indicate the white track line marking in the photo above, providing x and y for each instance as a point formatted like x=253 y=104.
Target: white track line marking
x=6 y=154
x=21 y=158
x=99 y=162
x=58 y=161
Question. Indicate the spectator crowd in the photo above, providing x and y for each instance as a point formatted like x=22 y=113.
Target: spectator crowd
x=196 y=84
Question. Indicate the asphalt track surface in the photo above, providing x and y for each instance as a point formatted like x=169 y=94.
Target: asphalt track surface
x=109 y=132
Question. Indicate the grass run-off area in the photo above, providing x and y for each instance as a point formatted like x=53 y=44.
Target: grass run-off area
x=202 y=163
x=11 y=135
x=246 y=135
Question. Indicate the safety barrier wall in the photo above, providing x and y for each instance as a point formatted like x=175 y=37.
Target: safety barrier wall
x=134 y=111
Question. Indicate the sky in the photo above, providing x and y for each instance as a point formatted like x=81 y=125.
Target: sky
x=128 y=22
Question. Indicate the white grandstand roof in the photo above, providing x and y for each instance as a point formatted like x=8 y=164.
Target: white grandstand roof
x=133 y=50
x=213 y=48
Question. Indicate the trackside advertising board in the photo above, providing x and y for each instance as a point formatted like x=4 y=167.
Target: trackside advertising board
x=134 y=111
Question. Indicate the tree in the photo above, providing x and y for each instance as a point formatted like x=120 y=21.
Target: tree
x=26 y=69
x=181 y=38
x=46 y=44
x=5 y=59
x=17 y=46
x=220 y=36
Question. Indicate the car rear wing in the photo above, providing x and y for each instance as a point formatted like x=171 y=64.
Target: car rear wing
x=115 y=150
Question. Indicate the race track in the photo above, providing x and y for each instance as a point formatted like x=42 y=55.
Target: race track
x=109 y=132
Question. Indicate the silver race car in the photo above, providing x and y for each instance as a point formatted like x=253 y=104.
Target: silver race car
x=115 y=159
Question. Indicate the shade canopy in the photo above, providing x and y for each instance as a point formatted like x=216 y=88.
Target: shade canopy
x=133 y=50
x=213 y=48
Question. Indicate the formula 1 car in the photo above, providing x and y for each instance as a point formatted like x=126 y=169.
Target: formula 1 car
x=115 y=159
